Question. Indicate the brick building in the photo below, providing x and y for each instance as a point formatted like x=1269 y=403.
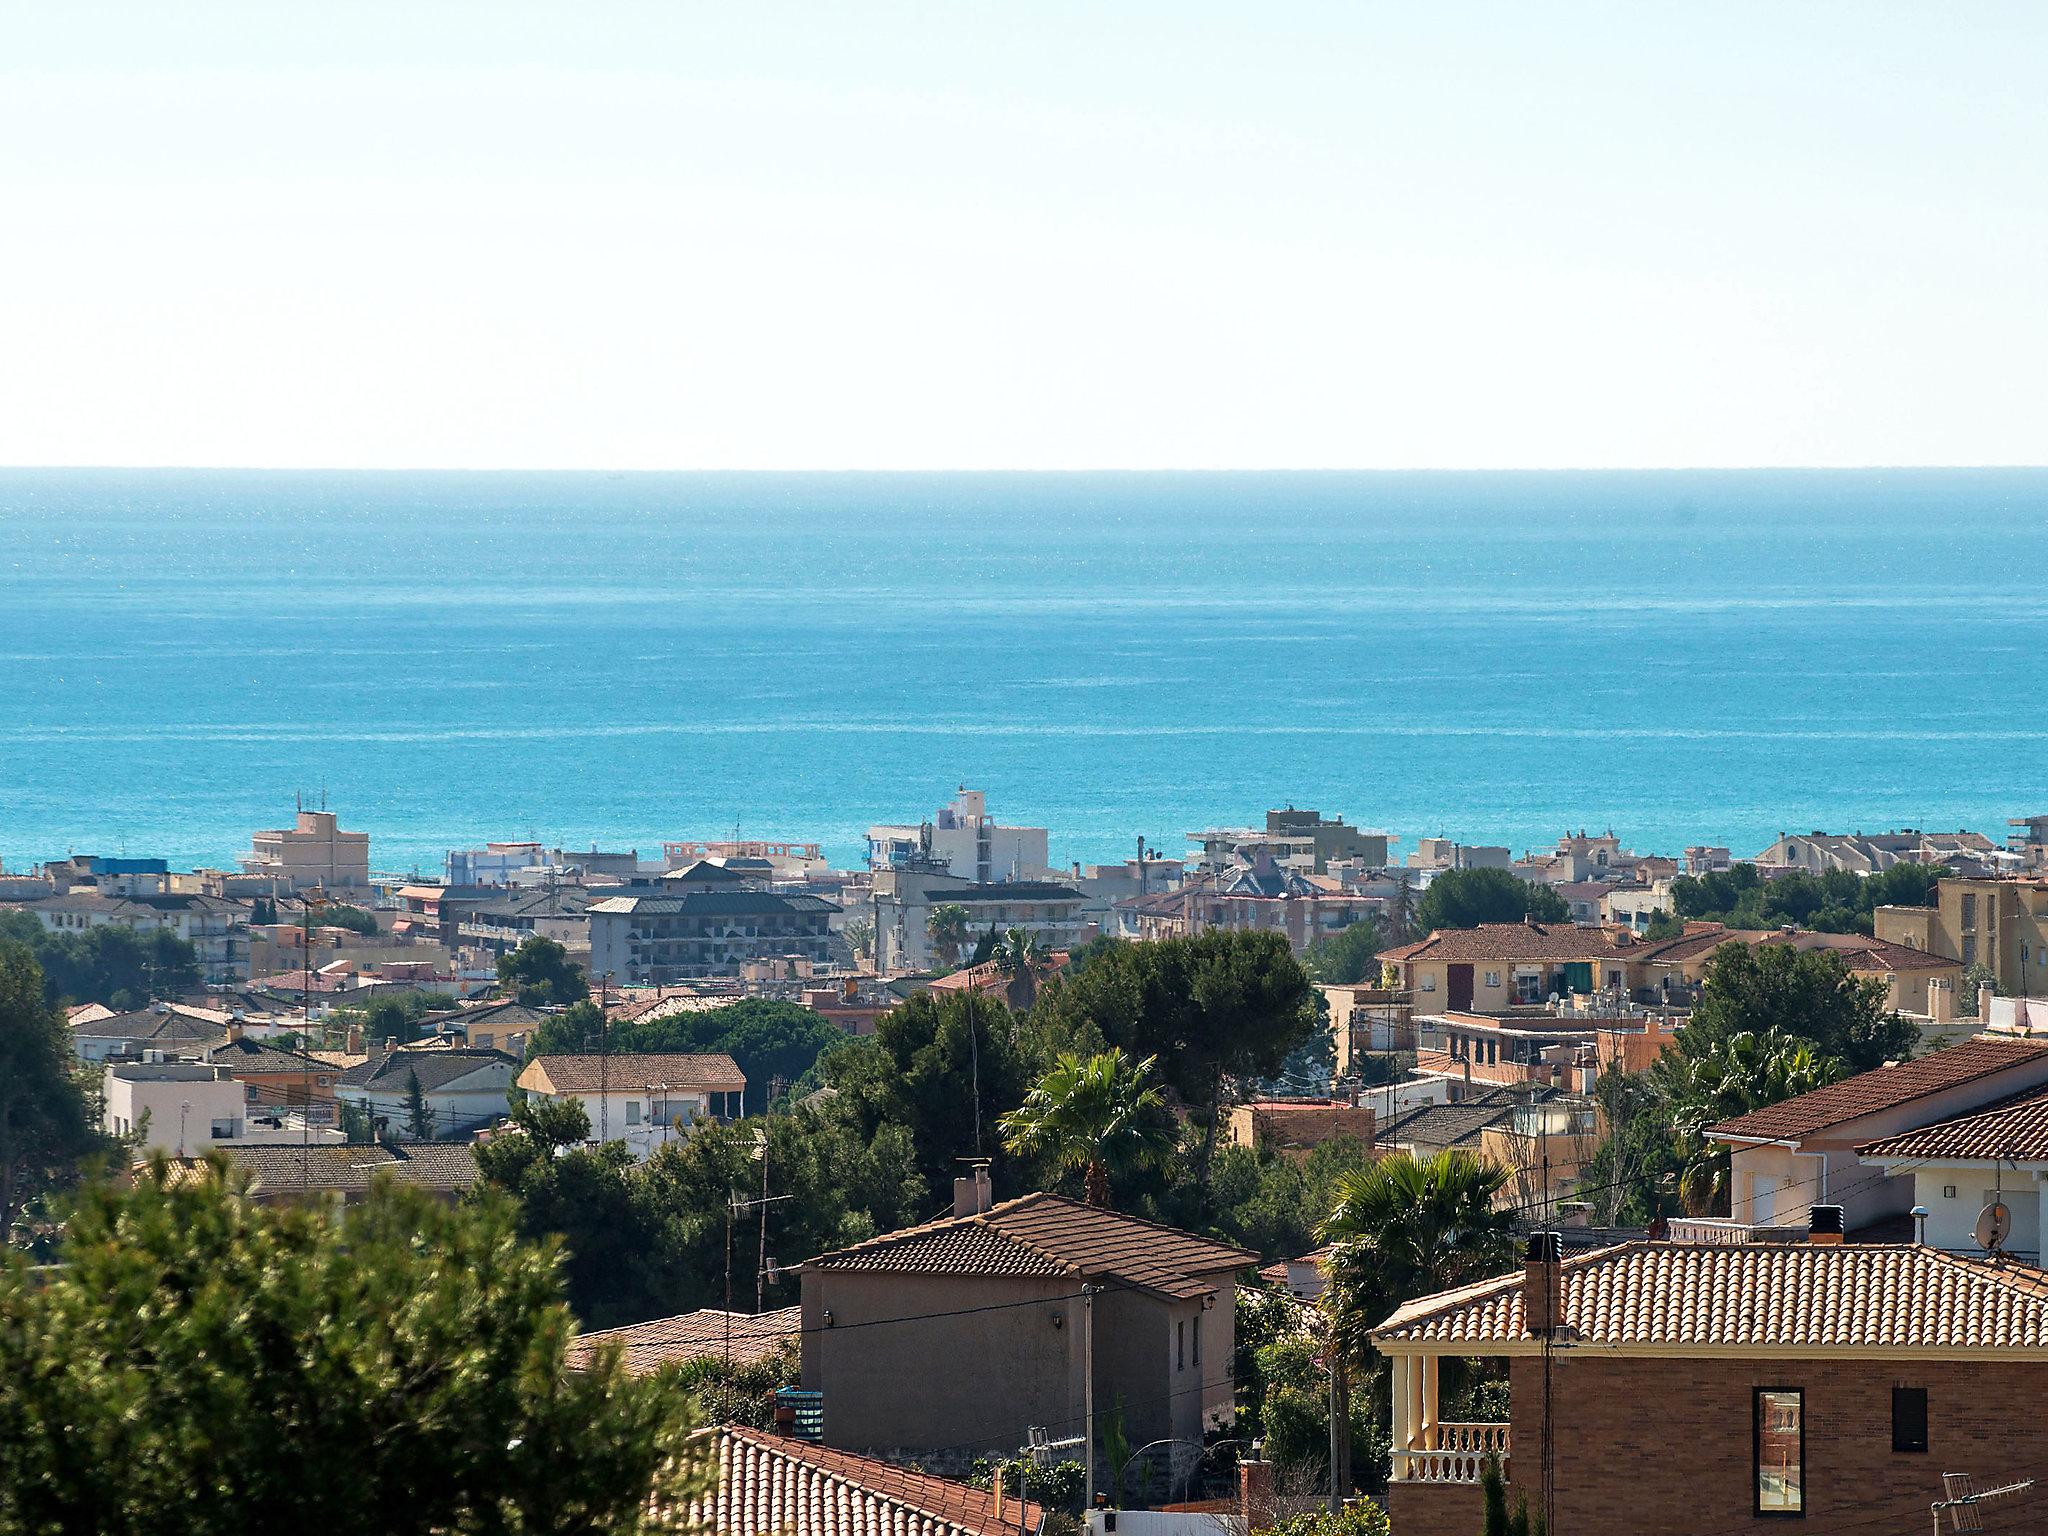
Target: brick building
x=1680 y=1388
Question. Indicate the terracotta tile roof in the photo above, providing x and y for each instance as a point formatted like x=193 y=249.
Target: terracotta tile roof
x=1767 y=1296
x=633 y=1072
x=283 y=1169
x=2012 y=1130
x=771 y=1486
x=1860 y=954
x=648 y=1346
x=1885 y=1088
x=1519 y=941
x=1044 y=1235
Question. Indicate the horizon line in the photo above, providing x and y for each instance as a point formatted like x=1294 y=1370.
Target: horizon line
x=1097 y=469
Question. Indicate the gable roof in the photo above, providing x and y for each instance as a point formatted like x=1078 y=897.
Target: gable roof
x=646 y=1347
x=769 y=1485
x=162 y=1022
x=633 y=1072
x=282 y=1169
x=1884 y=1088
x=1045 y=1236
x=1437 y=1126
x=1861 y=954
x=249 y=1055
x=1518 y=941
x=1784 y=1297
x=2012 y=1130
x=391 y=1071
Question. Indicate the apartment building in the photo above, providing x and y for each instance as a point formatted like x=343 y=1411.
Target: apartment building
x=1261 y=896
x=1052 y=913
x=644 y=1099
x=312 y=852
x=217 y=929
x=1819 y=852
x=1999 y=924
x=964 y=840
x=177 y=1107
x=688 y=934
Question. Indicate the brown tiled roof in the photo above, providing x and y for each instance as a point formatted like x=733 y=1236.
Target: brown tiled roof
x=633 y=1071
x=1518 y=941
x=646 y=1347
x=1041 y=1236
x=1766 y=1296
x=1861 y=954
x=2012 y=1130
x=281 y=1169
x=1885 y=1088
x=771 y=1486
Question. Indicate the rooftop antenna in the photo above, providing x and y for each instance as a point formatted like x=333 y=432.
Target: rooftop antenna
x=1961 y=1498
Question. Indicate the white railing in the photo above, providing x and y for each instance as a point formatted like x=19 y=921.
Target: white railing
x=1720 y=1229
x=1460 y=1455
x=1481 y=1439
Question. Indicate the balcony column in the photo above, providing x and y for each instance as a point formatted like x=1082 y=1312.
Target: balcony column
x=1403 y=1366
x=1428 y=1439
x=1420 y=1369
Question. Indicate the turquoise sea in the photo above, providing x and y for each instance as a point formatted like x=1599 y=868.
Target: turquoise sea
x=1681 y=656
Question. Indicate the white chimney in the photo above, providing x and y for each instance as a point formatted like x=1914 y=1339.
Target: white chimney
x=971 y=1195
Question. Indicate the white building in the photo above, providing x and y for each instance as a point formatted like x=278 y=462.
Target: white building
x=177 y=1107
x=964 y=840
x=1054 y=914
x=644 y=1099
x=463 y=1090
x=1959 y=1167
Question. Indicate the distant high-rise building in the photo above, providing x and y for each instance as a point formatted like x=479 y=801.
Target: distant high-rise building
x=313 y=851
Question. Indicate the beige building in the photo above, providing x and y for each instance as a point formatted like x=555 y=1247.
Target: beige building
x=2000 y=924
x=312 y=852
x=1296 y=1127
x=1913 y=975
x=1498 y=966
x=644 y=1099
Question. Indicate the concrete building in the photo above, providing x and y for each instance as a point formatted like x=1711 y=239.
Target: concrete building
x=493 y=864
x=169 y=1029
x=1054 y=914
x=964 y=840
x=1961 y=1167
x=1999 y=924
x=1012 y=1299
x=1263 y=896
x=1294 y=839
x=689 y=932
x=217 y=929
x=1444 y=853
x=312 y=852
x=1296 y=1127
x=1497 y=966
x=464 y=1090
x=644 y=1099
x=1819 y=852
x=178 y=1107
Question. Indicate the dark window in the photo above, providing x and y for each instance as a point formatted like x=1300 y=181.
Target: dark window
x=1780 y=1452
x=1909 y=1418
x=1180 y=1345
x=1198 y=1341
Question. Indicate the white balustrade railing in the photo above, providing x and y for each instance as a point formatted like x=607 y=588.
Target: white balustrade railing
x=1460 y=1454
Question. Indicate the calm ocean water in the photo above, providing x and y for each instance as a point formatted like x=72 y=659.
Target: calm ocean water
x=453 y=657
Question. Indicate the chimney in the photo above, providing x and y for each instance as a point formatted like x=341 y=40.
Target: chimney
x=353 y=1041
x=1543 y=1284
x=1255 y=1501
x=1941 y=1001
x=971 y=1194
x=234 y=1031
x=1824 y=1226
x=996 y=1483
x=1984 y=996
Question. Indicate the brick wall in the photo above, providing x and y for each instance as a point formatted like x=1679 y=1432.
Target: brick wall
x=1654 y=1446
x=1437 y=1509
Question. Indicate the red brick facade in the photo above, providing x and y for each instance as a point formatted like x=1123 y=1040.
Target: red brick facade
x=1651 y=1446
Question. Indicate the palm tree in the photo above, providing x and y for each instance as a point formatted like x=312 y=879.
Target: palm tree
x=1098 y=1114
x=1020 y=958
x=1405 y=1227
x=1745 y=1072
x=947 y=929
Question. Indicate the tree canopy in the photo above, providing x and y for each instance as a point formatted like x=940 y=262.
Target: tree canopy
x=1803 y=994
x=45 y=1127
x=1088 y=1115
x=201 y=1365
x=112 y=964
x=1347 y=957
x=340 y=914
x=1465 y=898
x=773 y=1042
x=540 y=971
x=1835 y=902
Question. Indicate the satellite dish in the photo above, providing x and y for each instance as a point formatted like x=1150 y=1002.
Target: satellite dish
x=1994 y=1225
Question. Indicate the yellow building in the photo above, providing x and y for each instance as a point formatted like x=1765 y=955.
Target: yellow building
x=2000 y=924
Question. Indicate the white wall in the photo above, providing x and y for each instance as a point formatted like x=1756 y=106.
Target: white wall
x=1952 y=1219
x=212 y=1101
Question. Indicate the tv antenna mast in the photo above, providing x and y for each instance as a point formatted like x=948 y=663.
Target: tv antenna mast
x=1961 y=1498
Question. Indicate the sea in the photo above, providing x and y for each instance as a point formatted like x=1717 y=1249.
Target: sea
x=619 y=659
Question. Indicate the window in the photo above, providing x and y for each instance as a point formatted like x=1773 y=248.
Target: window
x=1198 y=1341
x=1528 y=988
x=632 y=1111
x=1429 y=981
x=1493 y=978
x=1909 y=1419
x=1180 y=1345
x=1780 y=1452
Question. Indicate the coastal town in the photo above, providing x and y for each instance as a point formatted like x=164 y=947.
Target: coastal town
x=1301 y=1175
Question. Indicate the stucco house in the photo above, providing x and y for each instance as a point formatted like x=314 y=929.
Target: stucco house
x=1015 y=1299
x=645 y=1099
x=464 y=1090
x=1959 y=1167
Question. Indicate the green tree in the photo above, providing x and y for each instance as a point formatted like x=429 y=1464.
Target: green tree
x=920 y=1070
x=1805 y=994
x=1216 y=1008
x=118 y=966
x=1407 y=1227
x=1268 y=1202
x=1715 y=1078
x=1465 y=898
x=540 y=971
x=340 y=914
x=393 y=1365
x=1347 y=957
x=1090 y=1115
x=946 y=927
x=419 y=1114
x=45 y=1127
x=354 y=1118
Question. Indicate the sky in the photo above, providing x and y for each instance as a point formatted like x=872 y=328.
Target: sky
x=1036 y=236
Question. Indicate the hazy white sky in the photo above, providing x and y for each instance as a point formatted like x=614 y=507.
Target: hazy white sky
x=1028 y=235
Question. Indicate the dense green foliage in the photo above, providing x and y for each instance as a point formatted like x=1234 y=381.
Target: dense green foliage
x=392 y=1018
x=205 y=1366
x=1347 y=957
x=773 y=1042
x=1465 y=898
x=340 y=914
x=1361 y=1518
x=110 y=964
x=1836 y=902
x=1803 y=994
x=46 y=1129
x=1089 y=1115
x=540 y=971
x=946 y=928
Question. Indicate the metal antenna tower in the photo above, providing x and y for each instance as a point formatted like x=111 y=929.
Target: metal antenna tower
x=1961 y=1498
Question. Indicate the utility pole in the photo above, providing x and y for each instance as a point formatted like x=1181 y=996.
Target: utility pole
x=1088 y=1392
x=1340 y=1428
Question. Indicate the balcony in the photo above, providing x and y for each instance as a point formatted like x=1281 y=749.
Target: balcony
x=1459 y=1456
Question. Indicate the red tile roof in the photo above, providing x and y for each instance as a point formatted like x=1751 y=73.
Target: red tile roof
x=1519 y=941
x=1885 y=1088
x=1865 y=955
x=2012 y=1130
x=646 y=1347
x=772 y=1486
x=1044 y=1236
x=1765 y=1296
